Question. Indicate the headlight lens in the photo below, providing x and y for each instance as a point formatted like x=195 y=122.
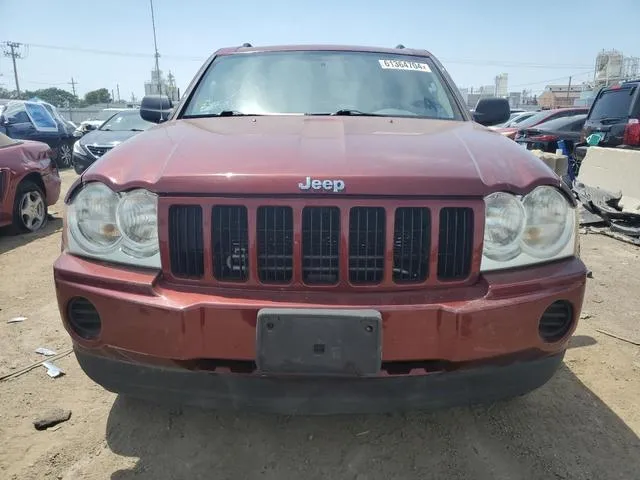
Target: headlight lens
x=539 y=227
x=116 y=227
x=137 y=217
x=77 y=147
x=92 y=218
x=549 y=222
x=504 y=224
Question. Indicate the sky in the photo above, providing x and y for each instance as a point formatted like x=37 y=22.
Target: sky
x=536 y=42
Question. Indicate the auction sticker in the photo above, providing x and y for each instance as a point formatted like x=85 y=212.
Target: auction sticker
x=404 y=65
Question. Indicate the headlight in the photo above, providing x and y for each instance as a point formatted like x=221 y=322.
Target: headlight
x=92 y=218
x=521 y=231
x=77 y=148
x=549 y=222
x=504 y=223
x=137 y=217
x=121 y=228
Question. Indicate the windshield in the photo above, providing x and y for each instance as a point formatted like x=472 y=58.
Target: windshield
x=126 y=121
x=533 y=120
x=322 y=82
x=613 y=104
x=104 y=115
x=518 y=119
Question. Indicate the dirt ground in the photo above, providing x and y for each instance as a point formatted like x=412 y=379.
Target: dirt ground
x=584 y=424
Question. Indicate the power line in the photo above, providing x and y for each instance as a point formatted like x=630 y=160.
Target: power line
x=551 y=80
x=113 y=52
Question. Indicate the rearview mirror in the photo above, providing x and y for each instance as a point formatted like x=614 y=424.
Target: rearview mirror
x=491 y=111
x=155 y=108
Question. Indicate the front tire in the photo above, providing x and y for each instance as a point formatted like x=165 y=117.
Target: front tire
x=64 y=155
x=29 y=208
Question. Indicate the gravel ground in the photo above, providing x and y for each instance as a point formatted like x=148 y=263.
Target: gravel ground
x=584 y=424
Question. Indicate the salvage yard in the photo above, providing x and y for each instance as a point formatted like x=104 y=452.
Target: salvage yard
x=584 y=424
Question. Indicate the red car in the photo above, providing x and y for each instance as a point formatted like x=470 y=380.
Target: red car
x=29 y=183
x=320 y=229
x=540 y=117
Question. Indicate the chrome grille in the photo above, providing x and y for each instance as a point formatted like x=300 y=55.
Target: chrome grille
x=98 y=151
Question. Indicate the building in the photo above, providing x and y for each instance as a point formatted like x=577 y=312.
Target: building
x=515 y=99
x=159 y=86
x=558 y=96
x=613 y=67
x=502 y=85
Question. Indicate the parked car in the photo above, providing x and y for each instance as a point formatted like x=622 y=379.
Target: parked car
x=614 y=118
x=540 y=117
x=545 y=136
x=39 y=121
x=94 y=122
x=320 y=229
x=118 y=128
x=29 y=183
x=514 y=120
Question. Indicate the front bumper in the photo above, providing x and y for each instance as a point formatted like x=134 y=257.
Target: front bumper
x=312 y=395
x=82 y=162
x=150 y=324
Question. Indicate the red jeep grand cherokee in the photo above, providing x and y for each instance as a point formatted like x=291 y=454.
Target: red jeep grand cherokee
x=320 y=230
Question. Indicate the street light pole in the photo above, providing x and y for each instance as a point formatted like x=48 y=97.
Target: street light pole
x=155 y=44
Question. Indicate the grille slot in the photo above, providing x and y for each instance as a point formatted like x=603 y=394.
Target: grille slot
x=320 y=245
x=98 y=151
x=275 y=244
x=411 y=245
x=455 y=246
x=185 y=240
x=556 y=321
x=230 y=242
x=366 y=244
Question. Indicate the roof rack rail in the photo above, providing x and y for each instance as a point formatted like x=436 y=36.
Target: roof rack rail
x=400 y=46
x=247 y=45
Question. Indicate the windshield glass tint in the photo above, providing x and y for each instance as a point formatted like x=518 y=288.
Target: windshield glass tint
x=324 y=82
x=613 y=104
x=126 y=121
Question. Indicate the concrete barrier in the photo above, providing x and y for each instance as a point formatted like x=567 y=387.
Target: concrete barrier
x=614 y=170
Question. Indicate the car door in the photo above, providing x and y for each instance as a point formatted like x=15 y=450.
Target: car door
x=38 y=126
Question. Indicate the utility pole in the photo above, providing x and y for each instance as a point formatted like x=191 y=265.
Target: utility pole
x=155 y=44
x=12 y=50
x=113 y=99
x=568 y=90
x=73 y=84
x=118 y=90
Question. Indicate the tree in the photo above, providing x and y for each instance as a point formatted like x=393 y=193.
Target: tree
x=97 y=96
x=54 y=96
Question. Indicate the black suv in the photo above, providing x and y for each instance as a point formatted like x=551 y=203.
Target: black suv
x=614 y=117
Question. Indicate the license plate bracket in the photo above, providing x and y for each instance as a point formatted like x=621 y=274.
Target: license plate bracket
x=319 y=342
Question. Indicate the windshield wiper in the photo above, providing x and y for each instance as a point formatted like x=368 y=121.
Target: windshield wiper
x=605 y=120
x=347 y=112
x=136 y=130
x=223 y=113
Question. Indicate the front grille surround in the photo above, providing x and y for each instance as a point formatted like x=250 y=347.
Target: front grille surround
x=298 y=279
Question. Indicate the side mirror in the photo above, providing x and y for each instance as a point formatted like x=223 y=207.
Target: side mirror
x=88 y=127
x=155 y=108
x=491 y=111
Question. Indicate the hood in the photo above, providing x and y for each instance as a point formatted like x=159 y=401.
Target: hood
x=343 y=155
x=106 y=137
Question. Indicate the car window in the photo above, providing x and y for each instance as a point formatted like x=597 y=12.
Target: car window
x=15 y=113
x=321 y=82
x=519 y=119
x=126 y=121
x=614 y=103
x=40 y=117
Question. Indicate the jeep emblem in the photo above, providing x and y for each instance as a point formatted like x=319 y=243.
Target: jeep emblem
x=326 y=185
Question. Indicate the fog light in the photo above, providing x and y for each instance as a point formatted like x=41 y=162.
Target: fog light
x=556 y=321
x=84 y=318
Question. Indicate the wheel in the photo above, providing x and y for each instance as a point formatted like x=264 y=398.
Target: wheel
x=29 y=208
x=64 y=154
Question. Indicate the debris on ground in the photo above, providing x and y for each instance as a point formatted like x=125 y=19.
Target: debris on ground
x=51 y=418
x=16 y=319
x=585 y=316
x=624 y=339
x=45 y=351
x=52 y=370
x=28 y=368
